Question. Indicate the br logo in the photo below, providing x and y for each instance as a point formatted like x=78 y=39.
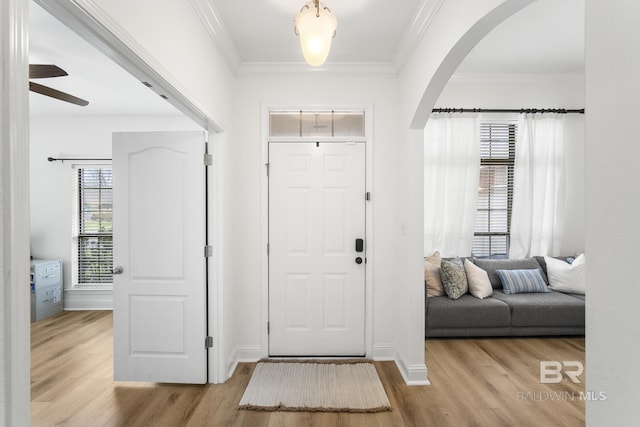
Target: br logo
x=553 y=371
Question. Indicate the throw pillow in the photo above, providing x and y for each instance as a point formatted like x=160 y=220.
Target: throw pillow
x=454 y=279
x=492 y=265
x=432 y=275
x=522 y=281
x=565 y=277
x=477 y=280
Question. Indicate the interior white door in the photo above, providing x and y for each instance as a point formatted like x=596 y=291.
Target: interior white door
x=159 y=298
x=316 y=282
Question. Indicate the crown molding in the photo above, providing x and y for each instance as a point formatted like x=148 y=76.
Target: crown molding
x=427 y=10
x=211 y=20
x=218 y=32
x=371 y=69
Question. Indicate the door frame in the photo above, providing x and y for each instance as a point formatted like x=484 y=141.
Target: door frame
x=90 y=22
x=264 y=212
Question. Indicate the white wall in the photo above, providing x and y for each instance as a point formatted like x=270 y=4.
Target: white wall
x=513 y=91
x=536 y=91
x=51 y=182
x=613 y=210
x=173 y=35
x=244 y=186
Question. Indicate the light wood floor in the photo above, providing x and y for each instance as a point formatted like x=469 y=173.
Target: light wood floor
x=474 y=382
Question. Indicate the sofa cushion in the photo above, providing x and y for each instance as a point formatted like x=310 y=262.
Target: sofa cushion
x=467 y=312
x=478 y=280
x=432 y=275
x=565 y=277
x=454 y=278
x=543 y=309
x=492 y=265
x=522 y=281
x=568 y=259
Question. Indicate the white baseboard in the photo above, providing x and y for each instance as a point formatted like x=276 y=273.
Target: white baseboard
x=413 y=374
x=384 y=352
x=242 y=354
x=89 y=299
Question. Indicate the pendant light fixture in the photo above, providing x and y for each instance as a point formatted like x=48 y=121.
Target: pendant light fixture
x=316 y=26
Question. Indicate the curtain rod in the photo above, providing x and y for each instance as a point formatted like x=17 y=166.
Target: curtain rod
x=508 y=110
x=53 y=159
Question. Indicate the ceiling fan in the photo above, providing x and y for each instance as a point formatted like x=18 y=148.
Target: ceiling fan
x=42 y=71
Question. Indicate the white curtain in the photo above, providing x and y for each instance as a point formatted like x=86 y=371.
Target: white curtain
x=451 y=174
x=539 y=186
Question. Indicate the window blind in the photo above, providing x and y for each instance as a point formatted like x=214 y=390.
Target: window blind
x=495 y=190
x=95 y=234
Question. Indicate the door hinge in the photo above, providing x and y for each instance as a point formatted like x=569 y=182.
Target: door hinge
x=268 y=327
x=208 y=159
x=267 y=166
x=208 y=342
x=208 y=251
x=267 y=249
x=367 y=196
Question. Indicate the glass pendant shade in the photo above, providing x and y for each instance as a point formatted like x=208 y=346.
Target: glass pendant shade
x=316 y=27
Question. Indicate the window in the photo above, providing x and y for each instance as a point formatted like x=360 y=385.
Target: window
x=495 y=190
x=95 y=227
x=334 y=124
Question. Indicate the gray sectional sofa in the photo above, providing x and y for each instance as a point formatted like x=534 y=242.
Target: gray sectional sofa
x=525 y=314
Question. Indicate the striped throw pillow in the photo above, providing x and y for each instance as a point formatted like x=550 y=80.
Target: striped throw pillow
x=522 y=281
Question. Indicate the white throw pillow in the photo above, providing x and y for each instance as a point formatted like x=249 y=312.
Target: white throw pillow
x=565 y=277
x=478 y=280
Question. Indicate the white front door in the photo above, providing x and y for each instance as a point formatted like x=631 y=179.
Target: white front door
x=159 y=296
x=316 y=268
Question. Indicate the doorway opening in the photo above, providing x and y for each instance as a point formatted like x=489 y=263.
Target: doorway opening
x=178 y=113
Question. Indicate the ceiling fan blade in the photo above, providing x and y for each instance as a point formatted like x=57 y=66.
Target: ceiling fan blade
x=42 y=71
x=53 y=93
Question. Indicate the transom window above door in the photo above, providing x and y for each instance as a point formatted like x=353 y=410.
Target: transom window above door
x=326 y=124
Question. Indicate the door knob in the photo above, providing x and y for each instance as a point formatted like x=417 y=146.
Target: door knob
x=118 y=270
x=358 y=260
